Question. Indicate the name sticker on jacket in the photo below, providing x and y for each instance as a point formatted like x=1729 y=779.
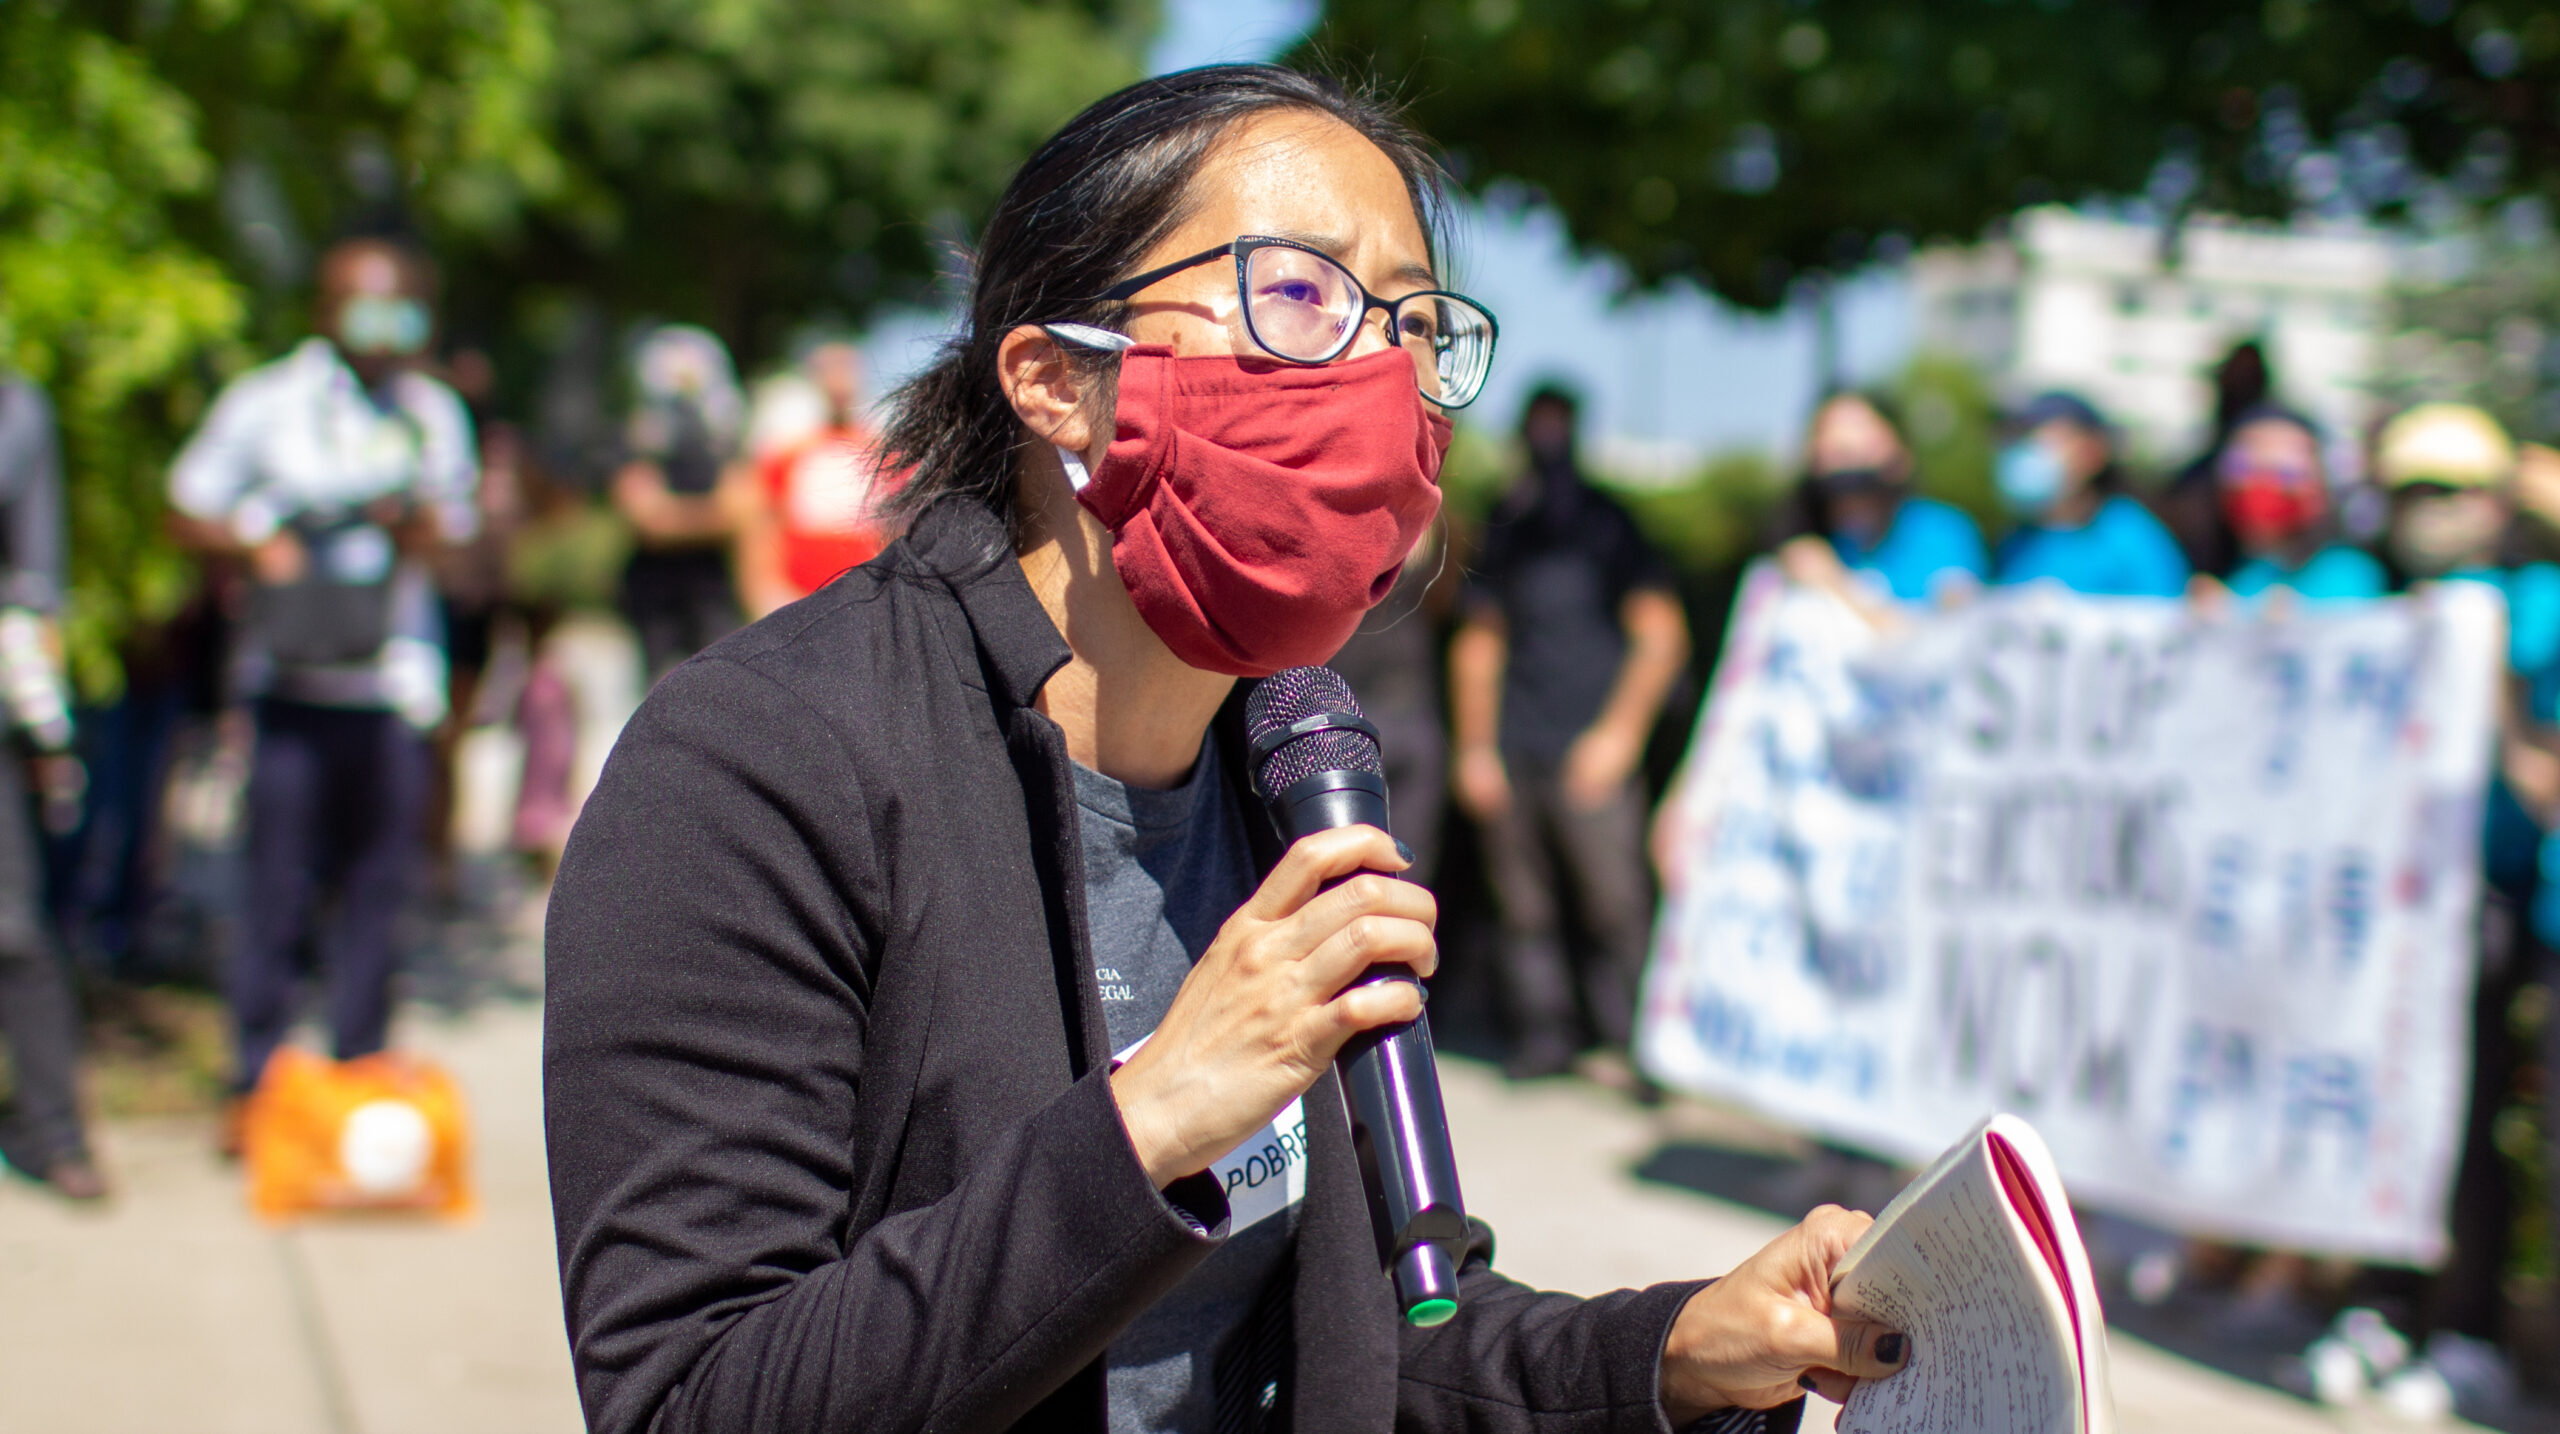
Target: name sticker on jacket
x=1268 y=1173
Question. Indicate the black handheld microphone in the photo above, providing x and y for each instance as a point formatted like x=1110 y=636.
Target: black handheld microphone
x=1315 y=761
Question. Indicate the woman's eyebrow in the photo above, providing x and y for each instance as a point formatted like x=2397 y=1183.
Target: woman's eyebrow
x=1335 y=247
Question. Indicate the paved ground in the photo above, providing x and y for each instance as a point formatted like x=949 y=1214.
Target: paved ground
x=173 y=1312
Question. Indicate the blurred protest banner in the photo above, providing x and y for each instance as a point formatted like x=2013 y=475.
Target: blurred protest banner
x=2195 y=895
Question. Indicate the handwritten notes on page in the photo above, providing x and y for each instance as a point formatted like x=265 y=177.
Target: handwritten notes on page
x=1990 y=1340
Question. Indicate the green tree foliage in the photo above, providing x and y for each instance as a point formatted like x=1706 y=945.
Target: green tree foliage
x=101 y=301
x=1951 y=420
x=2489 y=333
x=1713 y=522
x=327 y=115
x=756 y=163
x=170 y=168
x=1748 y=144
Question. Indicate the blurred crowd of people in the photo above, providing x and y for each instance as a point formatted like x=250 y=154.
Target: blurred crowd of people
x=388 y=566
x=385 y=568
x=2262 y=519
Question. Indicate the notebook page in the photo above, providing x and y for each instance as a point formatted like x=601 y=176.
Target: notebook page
x=1990 y=1340
x=2029 y=1156
x=2027 y=1202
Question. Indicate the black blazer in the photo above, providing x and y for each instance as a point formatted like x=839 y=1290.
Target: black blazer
x=832 y=1142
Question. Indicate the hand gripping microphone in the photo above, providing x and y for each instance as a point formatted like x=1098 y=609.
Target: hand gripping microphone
x=1315 y=761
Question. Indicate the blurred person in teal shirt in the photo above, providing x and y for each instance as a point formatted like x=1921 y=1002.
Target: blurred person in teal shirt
x=2450 y=472
x=2450 y=469
x=2059 y=477
x=2274 y=491
x=1853 y=515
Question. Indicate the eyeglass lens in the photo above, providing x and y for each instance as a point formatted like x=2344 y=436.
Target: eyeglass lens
x=1306 y=308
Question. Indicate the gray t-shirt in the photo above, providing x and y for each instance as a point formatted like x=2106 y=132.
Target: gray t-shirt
x=1163 y=870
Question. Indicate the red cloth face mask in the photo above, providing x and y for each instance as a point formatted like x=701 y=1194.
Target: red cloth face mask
x=1256 y=513
x=2267 y=510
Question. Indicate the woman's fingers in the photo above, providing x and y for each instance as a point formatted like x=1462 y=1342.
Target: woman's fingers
x=1829 y=1383
x=1313 y=860
x=1367 y=1006
x=1368 y=913
x=1364 y=942
x=1840 y=1351
x=1863 y=1349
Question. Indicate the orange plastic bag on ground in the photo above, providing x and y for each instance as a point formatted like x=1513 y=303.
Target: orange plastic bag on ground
x=382 y=1132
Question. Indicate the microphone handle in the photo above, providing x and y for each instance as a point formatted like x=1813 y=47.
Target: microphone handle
x=1398 y=1126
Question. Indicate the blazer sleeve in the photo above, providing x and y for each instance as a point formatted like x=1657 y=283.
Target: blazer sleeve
x=708 y=965
x=1514 y=1360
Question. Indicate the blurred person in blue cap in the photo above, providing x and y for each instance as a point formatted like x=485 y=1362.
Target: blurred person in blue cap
x=680 y=592
x=40 y=1130
x=2076 y=527
x=1854 y=515
x=2273 y=488
x=331 y=475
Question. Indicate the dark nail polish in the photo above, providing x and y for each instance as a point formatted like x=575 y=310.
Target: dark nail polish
x=1404 y=851
x=1890 y=1348
x=1805 y=1383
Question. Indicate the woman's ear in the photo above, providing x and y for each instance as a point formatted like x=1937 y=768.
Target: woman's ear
x=1047 y=389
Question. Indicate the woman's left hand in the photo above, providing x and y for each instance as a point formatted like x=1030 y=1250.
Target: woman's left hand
x=1767 y=1332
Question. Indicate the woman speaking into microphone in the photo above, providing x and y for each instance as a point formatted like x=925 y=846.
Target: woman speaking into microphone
x=915 y=970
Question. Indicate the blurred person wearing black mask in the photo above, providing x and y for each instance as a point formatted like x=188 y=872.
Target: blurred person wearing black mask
x=332 y=475
x=680 y=592
x=849 y=1127
x=40 y=1128
x=1853 y=524
x=1571 y=639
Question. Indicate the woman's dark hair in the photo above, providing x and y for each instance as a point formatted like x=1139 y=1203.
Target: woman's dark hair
x=1552 y=393
x=1079 y=216
x=1800 y=512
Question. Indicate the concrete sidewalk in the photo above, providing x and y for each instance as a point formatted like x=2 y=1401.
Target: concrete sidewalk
x=174 y=1312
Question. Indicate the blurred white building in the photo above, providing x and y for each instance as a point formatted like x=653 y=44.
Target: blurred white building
x=2073 y=301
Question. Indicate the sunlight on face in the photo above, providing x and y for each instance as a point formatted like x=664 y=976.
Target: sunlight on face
x=1849 y=434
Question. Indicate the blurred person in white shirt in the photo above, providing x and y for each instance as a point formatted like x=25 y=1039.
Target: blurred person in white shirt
x=331 y=475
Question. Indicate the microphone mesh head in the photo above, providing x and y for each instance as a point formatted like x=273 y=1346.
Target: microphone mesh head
x=1291 y=696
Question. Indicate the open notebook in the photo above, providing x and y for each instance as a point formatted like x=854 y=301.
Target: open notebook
x=1980 y=1263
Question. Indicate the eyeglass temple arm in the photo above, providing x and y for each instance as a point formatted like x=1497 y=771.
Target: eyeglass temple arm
x=1135 y=282
x=1087 y=336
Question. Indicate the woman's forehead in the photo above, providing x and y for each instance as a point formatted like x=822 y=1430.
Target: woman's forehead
x=1850 y=419
x=1309 y=177
x=2274 y=435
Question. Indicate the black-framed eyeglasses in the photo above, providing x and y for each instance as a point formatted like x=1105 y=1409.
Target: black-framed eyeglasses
x=1300 y=305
